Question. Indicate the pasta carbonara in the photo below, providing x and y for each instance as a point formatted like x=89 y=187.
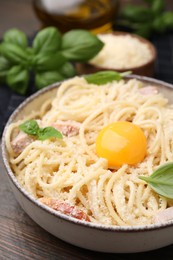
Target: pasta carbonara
x=70 y=171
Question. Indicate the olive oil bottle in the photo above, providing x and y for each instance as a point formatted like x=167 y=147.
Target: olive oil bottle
x=97 y=16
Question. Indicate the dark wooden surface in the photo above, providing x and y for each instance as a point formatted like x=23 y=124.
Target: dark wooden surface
x=20 y=237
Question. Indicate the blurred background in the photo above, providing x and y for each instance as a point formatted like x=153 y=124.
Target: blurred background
x=20 y=14
x=17 y=13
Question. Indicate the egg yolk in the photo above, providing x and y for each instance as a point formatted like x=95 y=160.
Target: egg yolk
x=121 y=143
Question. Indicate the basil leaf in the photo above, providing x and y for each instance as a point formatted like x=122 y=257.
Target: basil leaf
x=167 y=19
x=30 y=127
x=137 y=13
x=4 y=63
x=16 y=36
x=17 y=79
x=44 y=79
x=103 y=77
x=14 y=53
x=3 y=75
x=29 y=51
x=161 y=181
x=48 y=132
x=67 y=70
x=48 y=62
x=47 y=40
x=4 y=67
x=158 y=6
x=80 y=45
x=163 y=22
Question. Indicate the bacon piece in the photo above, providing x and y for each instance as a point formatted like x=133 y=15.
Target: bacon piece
x=65 y=208
x=164 y=215
x=21 y=141
x=149 y=90
x=68 y=128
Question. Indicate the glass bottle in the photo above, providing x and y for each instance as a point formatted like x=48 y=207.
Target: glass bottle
x=97 y=16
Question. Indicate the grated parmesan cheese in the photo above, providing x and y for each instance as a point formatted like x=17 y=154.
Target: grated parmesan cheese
x=121 y=52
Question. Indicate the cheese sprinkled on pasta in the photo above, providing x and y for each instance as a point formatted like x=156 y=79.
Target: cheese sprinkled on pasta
x=69 y=170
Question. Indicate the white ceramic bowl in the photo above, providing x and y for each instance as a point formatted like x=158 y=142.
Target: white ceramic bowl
x=85 y=234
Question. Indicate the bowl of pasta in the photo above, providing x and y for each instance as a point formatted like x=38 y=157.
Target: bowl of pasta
x=89 y=159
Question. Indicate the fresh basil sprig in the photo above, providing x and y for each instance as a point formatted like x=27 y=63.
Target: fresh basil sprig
x=161 y=181
x=17 y=37
x=31 y=127
x=5 y=65
x=146 y=19
x=48 y=58
x=48 y=61
x=14 y=53
x=46 y=78
x=80 y=45
x=17 y=78
x=103 y=77
x=47 y=40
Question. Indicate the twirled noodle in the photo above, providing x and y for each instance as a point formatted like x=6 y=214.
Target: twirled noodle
x=69 y=170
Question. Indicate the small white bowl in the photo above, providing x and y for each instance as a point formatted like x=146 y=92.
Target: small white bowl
x=85 y=234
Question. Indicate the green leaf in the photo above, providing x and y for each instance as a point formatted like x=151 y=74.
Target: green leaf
x=168 y=19
x=47 y=40
x=103 y=77
x=14 y=53
x=48 y=62
x=4 y=67
x=17 y=79
x=161 y=181
x=80 y=45
x=48 y=132
x=47 y=78
x=158 y=24
x=157 y=7
x=30 y=127
x=16 y=36
x=4 y=63
x=3 y=75
x=137 y=13
x=67 y=70
x=30 y=51
x=163 y=22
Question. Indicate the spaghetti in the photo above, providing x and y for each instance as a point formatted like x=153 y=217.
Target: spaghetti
x=69 y=170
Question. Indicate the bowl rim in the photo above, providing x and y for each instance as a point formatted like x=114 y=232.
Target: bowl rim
x=151 y=46
x=101 y=227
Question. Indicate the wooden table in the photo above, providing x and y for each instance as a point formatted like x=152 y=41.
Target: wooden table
x=20 y=237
